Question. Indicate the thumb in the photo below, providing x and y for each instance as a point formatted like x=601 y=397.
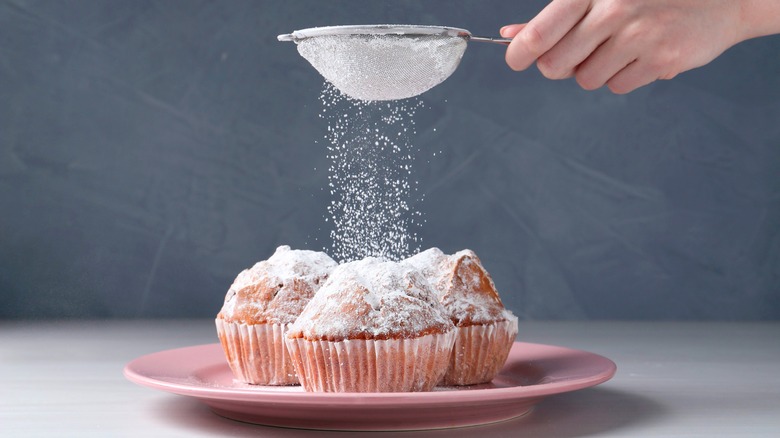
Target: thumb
x=509 y=31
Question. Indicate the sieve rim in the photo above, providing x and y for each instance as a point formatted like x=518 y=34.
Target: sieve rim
x=375 y=29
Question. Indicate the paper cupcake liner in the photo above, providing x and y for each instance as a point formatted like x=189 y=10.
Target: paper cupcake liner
x=357 y=365
x=256 y=353
x=479 y=352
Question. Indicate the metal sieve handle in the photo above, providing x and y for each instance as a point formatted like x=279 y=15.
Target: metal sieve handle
x=488 y=39
x=495 y=40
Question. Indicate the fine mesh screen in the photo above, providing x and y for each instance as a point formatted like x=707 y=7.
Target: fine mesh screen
x=385 y=66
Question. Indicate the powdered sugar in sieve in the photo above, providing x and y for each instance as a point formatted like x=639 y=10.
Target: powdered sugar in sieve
x=384 y=62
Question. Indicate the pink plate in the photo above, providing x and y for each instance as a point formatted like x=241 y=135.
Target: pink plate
x=531 y=372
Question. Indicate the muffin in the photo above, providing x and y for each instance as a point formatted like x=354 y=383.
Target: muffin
x=374 y=326
x=485 y=330
x=258 y=309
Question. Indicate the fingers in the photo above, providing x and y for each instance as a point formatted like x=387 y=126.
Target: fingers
x=635 y=75
x=620 y=74
x=626 y=70
x=544 y=31
x=604 y=63
x=511 y=30
x=624 y=44
x=576 y=46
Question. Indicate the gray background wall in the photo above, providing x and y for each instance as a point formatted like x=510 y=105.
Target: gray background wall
x=150 y=150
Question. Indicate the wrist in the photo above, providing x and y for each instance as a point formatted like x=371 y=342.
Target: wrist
x=759 y=18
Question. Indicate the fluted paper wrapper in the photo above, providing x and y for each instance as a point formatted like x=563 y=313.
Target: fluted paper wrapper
x=392 y=365
x=256 y=353
x=479 y=352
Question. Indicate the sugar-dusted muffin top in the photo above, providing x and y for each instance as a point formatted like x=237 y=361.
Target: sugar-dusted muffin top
x=274 y=291
x=372 y=299
x=463 y=286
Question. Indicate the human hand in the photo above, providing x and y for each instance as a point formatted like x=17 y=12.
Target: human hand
x=626 y=44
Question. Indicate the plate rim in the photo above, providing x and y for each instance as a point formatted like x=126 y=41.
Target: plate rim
x=260 y=395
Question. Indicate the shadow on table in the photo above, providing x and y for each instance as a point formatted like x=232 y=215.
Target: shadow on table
x=590 y=412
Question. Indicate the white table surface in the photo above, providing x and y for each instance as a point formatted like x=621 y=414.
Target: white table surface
x=673 y=380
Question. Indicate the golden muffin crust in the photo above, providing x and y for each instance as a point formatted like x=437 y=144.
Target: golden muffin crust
x=276 y=290
x=463 y=286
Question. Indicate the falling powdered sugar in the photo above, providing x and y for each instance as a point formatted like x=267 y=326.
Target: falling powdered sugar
x=371 y=161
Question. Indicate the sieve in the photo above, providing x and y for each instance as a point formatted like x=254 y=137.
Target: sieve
x=384 y=62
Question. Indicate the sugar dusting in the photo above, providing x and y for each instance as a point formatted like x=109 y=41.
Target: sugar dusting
x=462 y=284
x=370 y=176
x=383 y=67
x=372 y=298
x=279 y=274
